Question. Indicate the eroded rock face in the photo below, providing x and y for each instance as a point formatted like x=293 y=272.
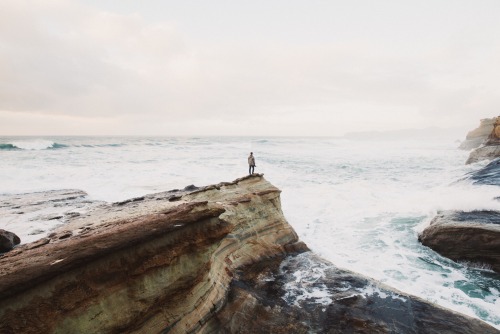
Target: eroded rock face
x=200 y=260
x=490 y=148
x=478 y=136
x=306 y=294
x=8 y=240
x=163 y=262
x=466 y=236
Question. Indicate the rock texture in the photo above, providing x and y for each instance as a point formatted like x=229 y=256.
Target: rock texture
x=478 y=136
x=217 y=259
x=490 y=148
x=8 y=240
x=472 y=236
x=490 y=174
x=466 y=236
x=306 y=294
x=151 y=264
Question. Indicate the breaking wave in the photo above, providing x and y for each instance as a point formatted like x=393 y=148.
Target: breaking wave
x=34 y=145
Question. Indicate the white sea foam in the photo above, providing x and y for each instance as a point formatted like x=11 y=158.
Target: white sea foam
x=33 y=144
x=360 y=204
x=371 y=290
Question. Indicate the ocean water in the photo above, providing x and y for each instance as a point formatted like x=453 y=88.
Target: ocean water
x=357 y=203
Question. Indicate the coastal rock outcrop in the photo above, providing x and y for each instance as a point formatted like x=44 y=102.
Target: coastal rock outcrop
x=472 y=236
x=8 y=240
x=216 y=259
x=478 y=136
x=490 y=149
x=466 y=236
x=306 y=294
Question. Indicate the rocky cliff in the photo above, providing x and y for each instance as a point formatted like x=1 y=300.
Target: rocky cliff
x=478 y=136
x=490 y=147
x=217 y=259
x=472 y=236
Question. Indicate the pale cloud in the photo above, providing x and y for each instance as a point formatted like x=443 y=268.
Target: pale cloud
x=103 y=71
x=45 y=124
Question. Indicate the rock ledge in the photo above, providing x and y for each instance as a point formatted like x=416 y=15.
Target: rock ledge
x=216 y=259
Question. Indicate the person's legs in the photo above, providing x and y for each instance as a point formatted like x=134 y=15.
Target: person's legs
x=250 y=170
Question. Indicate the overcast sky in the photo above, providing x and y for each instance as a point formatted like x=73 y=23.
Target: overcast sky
x=273 y=67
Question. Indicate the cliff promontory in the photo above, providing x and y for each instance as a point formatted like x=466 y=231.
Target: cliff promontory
x=478 y=136
x=472 y=236
x=490 y=146
x=217 y=259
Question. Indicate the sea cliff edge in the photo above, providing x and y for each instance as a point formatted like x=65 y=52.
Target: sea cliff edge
x=216 y=259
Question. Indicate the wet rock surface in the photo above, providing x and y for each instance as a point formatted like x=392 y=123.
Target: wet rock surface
x=8 y=240
x=472 y=236
x=490 y=174
x=466 y=236
x=306 y=294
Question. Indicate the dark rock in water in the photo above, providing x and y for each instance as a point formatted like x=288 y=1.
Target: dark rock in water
x=8 y=240
x=488 y=175
x=466 y=236
x=135 y=199
x=472 y=217
x=190 y=187
x=283 y=297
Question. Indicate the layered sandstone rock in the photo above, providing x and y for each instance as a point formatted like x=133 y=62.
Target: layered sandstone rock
x=466 y=236
x=490 y=148
x=162 y=262
x=478 y=136
x=218 y=259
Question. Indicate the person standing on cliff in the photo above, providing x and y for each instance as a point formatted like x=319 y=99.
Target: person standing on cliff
x=251 y=163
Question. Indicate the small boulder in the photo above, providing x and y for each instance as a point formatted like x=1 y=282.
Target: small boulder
x=191 y=187
x=466 y=236
x=8 y=240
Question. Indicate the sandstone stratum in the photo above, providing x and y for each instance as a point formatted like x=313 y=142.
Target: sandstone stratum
x=216 y=259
